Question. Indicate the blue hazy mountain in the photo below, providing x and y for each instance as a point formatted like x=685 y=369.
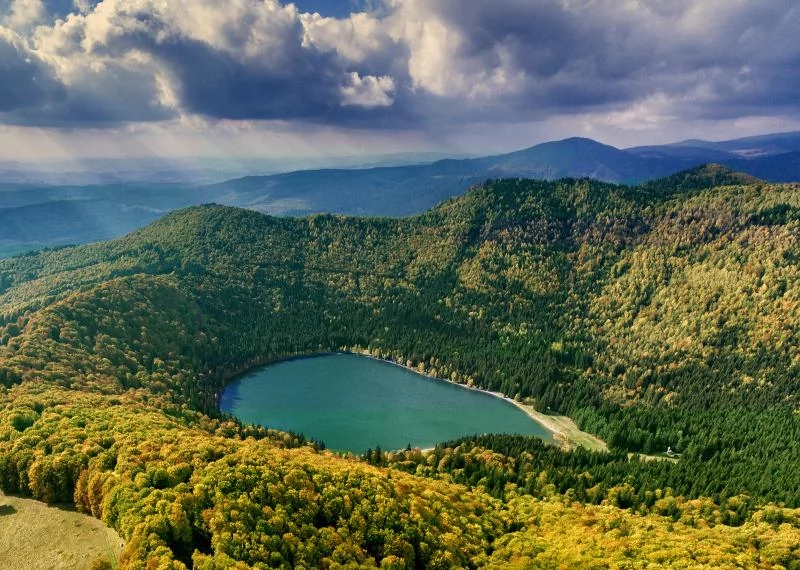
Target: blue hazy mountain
x=406 y=190
x=687 y=154
x=783 y=167
x=399 y=191
x=751 y=147
x=38 y=215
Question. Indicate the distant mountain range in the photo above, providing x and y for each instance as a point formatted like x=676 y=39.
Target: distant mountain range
x=35 y=215
x=195 y=170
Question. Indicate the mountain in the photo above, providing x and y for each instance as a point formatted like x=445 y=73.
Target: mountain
x=690 y=155
x=774 y=157
x=751 y=147
x=657 y=316
x=72 y=221
x=400 y=191
x=32 y=217
x=775 y=168
x=109 y=210
x=705 y=176
x=576 y=158
x=406 y=190
x=381 y=191
x=191 y=170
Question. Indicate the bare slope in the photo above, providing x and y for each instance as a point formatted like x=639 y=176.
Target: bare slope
x=36 y=536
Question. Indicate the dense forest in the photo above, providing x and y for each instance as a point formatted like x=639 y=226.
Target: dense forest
x=663 y=315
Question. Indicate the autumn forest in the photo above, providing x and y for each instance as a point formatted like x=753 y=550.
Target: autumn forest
x=665 y=315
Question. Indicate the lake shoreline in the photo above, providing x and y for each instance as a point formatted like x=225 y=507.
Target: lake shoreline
x=563 y=429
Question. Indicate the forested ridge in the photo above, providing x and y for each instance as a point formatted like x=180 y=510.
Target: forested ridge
x=664 y=315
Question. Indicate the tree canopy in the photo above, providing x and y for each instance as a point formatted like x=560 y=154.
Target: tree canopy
x=658 y=316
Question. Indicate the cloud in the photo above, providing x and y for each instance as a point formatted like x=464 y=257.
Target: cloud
x=24 y=13
x=368 y=91
x=413 y=63
x=516 y=59
x=25 y=81
x=235 y=60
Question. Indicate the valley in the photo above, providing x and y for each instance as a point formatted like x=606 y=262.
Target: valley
x=655 y=316
x=399 y=284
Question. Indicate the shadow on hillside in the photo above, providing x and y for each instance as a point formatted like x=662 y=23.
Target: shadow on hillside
x=7 y=510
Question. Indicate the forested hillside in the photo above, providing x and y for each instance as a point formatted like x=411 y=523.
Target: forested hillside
x=658 y=316
x=80 y=210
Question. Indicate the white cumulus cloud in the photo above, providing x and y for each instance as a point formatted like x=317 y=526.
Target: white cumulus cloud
x=368 y=91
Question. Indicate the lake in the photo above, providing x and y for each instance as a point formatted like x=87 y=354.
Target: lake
x=353 y=403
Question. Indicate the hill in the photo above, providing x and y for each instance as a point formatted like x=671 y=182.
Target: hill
x=104 y=211
x=36 y=536
x=777 y=168
x=654 y=316
x=759 y=145
x=401 y=191
x=578 y=158
x=95 y=212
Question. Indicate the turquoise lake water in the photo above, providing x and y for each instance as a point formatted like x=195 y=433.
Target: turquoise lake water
x=353 y=403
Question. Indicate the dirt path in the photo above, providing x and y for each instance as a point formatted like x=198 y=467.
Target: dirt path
x=36 y=536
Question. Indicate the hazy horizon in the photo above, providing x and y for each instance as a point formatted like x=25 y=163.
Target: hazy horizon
x=408 y=156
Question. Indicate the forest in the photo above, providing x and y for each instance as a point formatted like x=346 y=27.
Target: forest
x=655 y=316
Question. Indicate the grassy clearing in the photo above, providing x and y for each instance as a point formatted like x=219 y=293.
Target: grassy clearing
x=37 y=536
x=565 y=430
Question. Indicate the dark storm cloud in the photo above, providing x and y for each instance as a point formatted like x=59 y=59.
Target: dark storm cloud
x=542 y=36
x=25 y=82
x=291 y=82
x=31 y=95
x=217 y=83
x=712 y=56
x=411 y=62
x=235 y=60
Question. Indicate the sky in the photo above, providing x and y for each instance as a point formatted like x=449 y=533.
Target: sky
x=265 y=78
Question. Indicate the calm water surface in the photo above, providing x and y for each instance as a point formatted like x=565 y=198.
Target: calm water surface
x=353 y=403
